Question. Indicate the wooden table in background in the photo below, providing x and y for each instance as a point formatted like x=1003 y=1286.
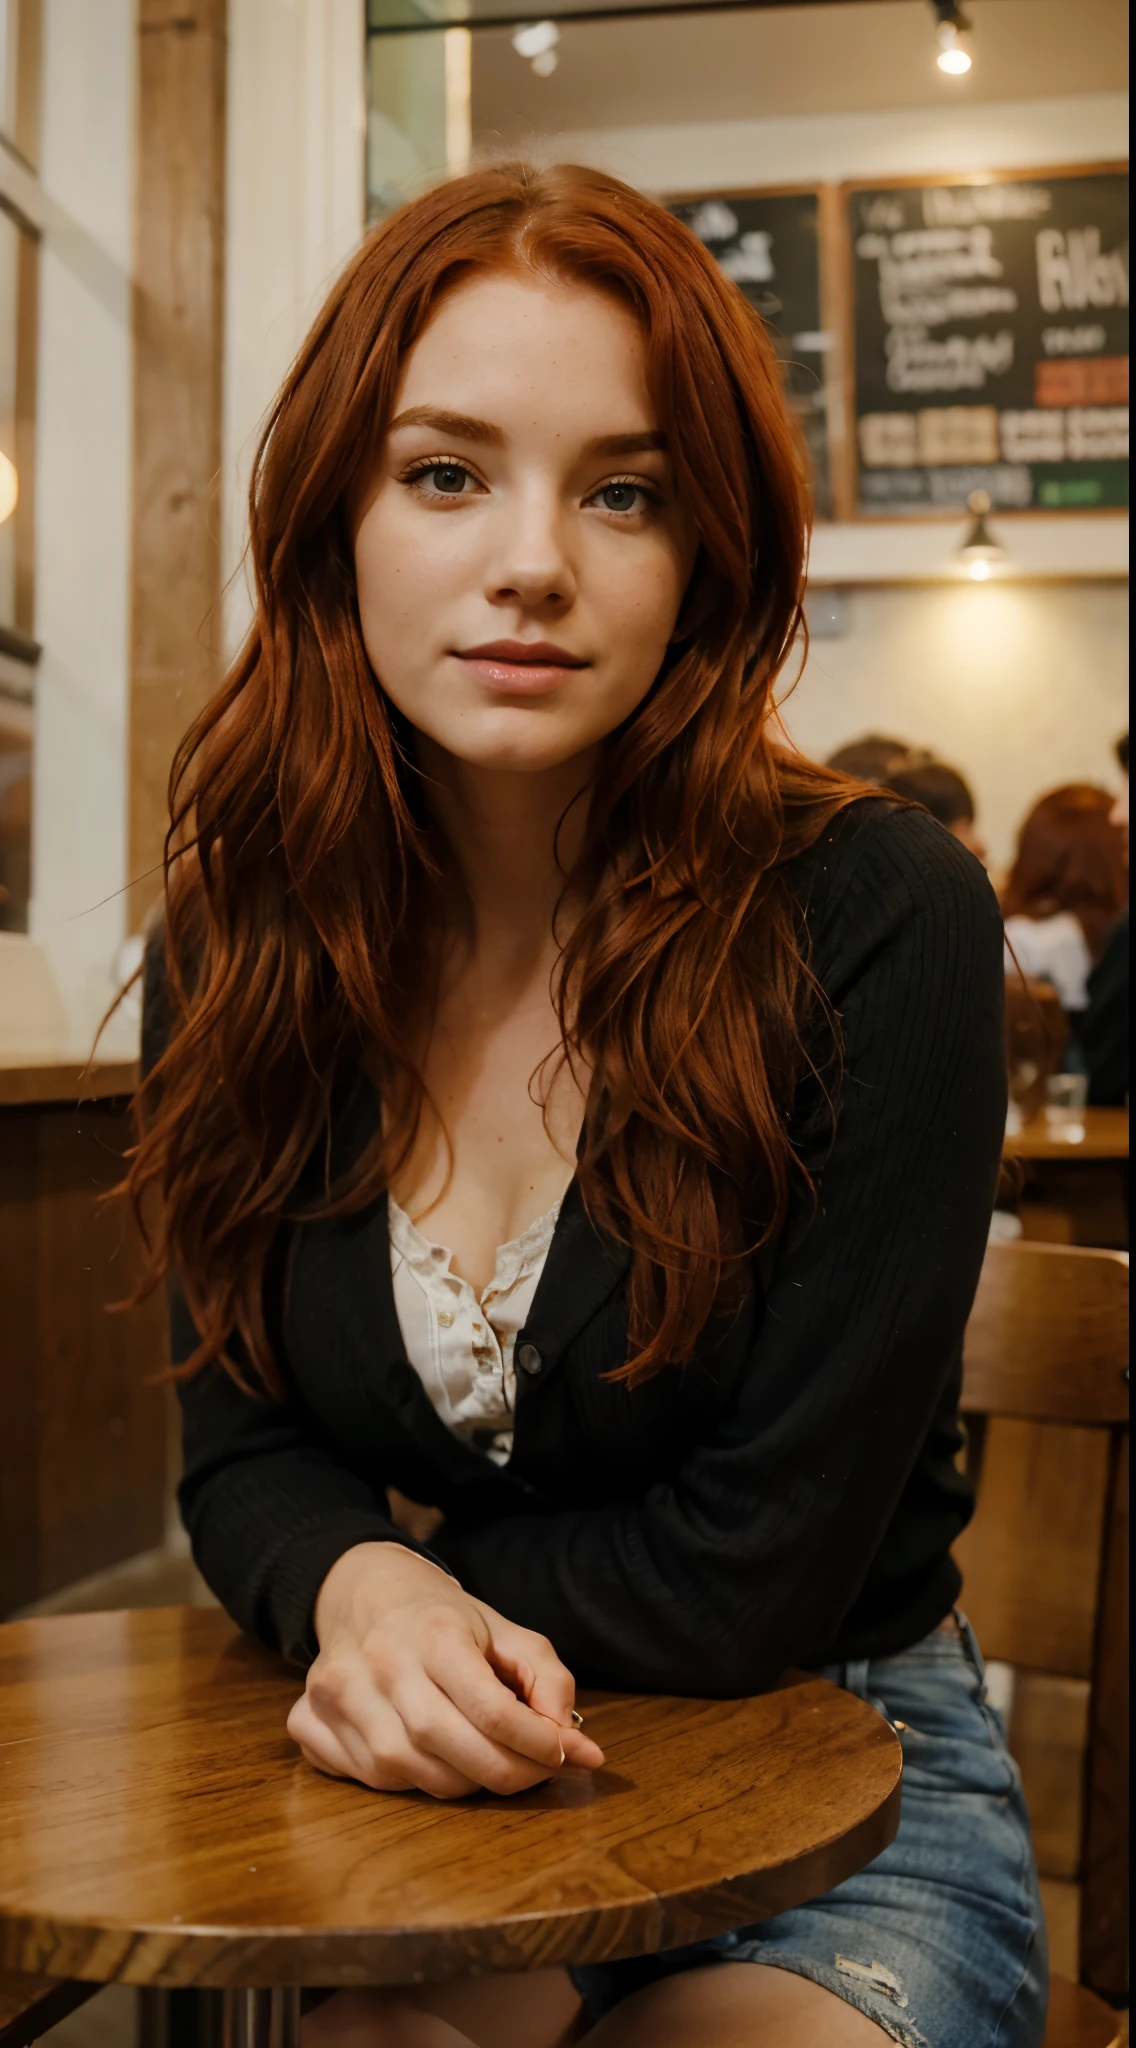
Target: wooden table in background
x=83 y=1423
x=1105 y=1138
x=27 y=1080
x=158 y=1827
x=1070 y=1190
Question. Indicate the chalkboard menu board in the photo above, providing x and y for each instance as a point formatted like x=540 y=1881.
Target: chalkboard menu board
x=769 y=243
x=991 y=343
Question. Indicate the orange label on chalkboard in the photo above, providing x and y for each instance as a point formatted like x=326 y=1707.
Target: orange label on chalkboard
x=1099 y=380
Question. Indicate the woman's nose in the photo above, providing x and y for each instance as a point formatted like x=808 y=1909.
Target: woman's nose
x=532 y=563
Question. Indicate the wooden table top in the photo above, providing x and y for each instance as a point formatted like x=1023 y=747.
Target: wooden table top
x=25 y=1080
x=1105 y=1137
x=157 y=1826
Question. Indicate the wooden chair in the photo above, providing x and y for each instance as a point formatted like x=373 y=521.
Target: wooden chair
x=1045 y=1561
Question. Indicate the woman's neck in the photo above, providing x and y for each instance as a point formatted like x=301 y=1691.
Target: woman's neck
x=501 y=827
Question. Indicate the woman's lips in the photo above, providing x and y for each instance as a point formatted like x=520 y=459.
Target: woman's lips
x=517 y=668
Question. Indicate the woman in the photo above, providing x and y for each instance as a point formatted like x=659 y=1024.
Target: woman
x=574 y=1113
x=1065 y=890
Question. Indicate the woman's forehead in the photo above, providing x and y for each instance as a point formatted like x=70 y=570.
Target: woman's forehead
x=512 y=339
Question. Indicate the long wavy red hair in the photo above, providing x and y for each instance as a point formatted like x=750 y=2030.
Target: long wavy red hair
x=299 y=852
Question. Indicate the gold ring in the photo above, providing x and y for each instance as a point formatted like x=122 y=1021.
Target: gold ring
x=577 y=1718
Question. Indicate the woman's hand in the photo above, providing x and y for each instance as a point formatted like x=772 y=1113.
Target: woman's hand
x=417 y=1685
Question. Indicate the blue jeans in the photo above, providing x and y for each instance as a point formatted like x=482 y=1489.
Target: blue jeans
x=941 y=1940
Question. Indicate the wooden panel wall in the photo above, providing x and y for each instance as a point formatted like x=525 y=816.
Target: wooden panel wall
x=83 y=1419
x=179 y=251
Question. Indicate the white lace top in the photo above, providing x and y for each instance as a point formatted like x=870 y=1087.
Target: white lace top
x=462 y=1347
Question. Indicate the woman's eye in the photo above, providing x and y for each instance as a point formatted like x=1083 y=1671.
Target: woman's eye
x=623 y=498
x=447 y=478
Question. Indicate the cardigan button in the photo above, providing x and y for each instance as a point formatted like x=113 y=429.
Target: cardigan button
x=530 y=1360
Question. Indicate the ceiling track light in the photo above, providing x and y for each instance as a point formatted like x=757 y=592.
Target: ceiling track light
x=979 y=553
x=537 y=40
x=954 y=56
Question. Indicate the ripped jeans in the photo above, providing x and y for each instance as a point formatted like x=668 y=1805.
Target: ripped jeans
x=941 y=1940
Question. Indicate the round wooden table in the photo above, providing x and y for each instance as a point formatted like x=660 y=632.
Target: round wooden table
x=157 y=1826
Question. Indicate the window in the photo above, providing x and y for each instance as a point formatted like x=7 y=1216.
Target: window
x=17 y=647
x=21 y=31
x=19 y=131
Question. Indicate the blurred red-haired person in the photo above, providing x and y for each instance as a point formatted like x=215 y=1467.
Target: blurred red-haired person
x=1102 y=1031
x=570 y=1110
x=1065 y=890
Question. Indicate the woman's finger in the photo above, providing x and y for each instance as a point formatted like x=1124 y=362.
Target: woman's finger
x=530 y=1664
x=548 y=1684
x=438 y=1728
x=467 y=1679
x=352 y=1731
x=321 y=1745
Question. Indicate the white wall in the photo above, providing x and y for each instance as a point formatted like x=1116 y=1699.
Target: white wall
x=1020 y=686
x=707 y=156
x=59 y=979
x=294 y=213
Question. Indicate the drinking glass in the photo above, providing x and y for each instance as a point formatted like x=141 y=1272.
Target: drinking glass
x=1065 y=1099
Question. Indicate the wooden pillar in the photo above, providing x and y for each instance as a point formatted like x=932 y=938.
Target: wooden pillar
x=178 y=309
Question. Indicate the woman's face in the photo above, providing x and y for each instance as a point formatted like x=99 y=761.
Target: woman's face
x=522 y=556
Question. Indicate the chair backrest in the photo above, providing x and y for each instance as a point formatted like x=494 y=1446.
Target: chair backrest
x=1045 y=1561
x=1047 y=1339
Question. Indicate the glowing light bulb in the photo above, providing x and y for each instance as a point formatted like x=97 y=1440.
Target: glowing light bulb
x=536 y=39
x=9 y=488
x=980 y=553
x=953 y=58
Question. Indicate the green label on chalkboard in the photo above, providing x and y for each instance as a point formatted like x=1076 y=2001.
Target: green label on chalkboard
x=769 y=244
x=991 y=343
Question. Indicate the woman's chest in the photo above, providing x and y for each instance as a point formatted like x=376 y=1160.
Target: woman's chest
x=496 y=1143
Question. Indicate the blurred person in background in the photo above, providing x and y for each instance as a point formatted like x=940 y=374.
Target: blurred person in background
x=1065 y=890
x=1103 y=1029
x=943 y=792
x=875 y=757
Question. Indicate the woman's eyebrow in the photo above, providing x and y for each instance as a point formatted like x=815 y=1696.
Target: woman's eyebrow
x=457 y=424
x=463 y=427
x=647 y=442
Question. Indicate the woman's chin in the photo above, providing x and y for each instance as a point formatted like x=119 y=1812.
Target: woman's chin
x=513 y=743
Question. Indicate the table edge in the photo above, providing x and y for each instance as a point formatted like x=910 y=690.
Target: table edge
x=250 y=1957
x=30 y=1084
